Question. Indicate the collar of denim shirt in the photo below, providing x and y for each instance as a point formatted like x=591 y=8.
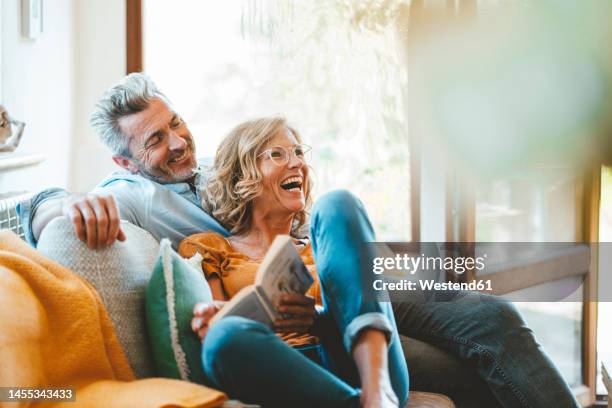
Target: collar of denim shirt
x=184 y=189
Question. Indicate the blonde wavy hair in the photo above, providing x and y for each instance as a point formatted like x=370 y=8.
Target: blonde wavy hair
x=235 y=180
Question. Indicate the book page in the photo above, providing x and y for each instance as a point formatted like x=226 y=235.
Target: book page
x=246 y=304
x=282 y=271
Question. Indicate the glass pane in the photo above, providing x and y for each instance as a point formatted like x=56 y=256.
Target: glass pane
x=538 y=205
x=558 y=328
x=224 y=62
x=604 y=312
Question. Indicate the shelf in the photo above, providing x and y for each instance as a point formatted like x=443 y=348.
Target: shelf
x=12 y=160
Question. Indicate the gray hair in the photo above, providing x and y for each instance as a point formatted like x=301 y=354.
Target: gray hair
x=131 y=95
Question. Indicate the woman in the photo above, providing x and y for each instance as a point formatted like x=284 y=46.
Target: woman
x=261 y=188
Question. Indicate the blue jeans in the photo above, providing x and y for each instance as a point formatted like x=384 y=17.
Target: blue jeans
x=490 y=335
x=249 y=362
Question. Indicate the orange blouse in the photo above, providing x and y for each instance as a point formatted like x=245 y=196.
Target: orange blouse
x=236 y=270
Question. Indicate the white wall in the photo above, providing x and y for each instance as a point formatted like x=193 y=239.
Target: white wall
x=100 y=62
x=52 y=84
x=38 y=90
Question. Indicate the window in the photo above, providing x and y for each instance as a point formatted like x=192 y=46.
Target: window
x=341 y=87
x=604 y=312
x=1 y=63
x=339 y=81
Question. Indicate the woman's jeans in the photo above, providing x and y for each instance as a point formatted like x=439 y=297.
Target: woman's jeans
x=249 y=362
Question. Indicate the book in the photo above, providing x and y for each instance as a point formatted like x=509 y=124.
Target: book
x=281 y=271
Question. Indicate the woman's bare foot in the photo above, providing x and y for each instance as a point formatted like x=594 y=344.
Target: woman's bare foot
x=370 y=354
x=384 y=397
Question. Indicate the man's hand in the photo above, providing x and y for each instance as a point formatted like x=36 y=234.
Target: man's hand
x=202 y=313
x=95 y=218
x=300 y=311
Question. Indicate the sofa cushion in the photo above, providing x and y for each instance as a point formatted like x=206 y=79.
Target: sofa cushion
x=175 y=287
x=119 y=273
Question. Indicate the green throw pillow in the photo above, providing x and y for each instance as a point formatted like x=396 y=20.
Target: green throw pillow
x=176 y=285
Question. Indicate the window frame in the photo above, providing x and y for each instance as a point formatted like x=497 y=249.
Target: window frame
x=133 y=38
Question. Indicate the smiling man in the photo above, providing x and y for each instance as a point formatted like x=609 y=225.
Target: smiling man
x=157 y=190
x=159 y=147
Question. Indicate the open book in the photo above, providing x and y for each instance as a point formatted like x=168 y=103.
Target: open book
x=281 y=271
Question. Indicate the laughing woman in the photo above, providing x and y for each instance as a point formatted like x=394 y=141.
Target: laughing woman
x=347 y=352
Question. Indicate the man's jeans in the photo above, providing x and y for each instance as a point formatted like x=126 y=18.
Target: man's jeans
x=249 y=362
x=490 y=335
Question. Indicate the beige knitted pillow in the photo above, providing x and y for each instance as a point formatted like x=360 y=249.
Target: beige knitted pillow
x=119 y=273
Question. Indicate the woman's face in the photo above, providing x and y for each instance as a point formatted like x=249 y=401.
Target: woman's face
x=283 y=186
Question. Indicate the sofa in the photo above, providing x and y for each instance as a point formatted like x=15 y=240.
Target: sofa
x=120 y=274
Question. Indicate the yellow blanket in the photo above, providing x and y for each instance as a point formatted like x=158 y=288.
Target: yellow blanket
x=55 y=332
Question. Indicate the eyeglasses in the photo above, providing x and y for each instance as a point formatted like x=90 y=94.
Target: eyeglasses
x=280 y=155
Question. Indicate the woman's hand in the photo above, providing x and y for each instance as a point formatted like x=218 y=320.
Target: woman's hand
x=300 y=312
x=202 y=313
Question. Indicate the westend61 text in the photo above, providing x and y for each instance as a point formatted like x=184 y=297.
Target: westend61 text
x=403 y=285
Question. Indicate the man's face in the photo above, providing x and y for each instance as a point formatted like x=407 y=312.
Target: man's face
x=162 y=147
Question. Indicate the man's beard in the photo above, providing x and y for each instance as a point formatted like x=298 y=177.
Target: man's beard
x=163 y=174
x=167 y=176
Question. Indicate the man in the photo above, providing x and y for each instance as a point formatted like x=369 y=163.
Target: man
x=158 y=191
x=158 y=188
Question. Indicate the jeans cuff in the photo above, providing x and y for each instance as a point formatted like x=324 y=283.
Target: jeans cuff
x=373 y=320
x=27 y=208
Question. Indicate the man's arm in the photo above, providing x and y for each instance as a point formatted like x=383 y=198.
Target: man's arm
x=45 y=212
x=27 y=208
x=95 y=217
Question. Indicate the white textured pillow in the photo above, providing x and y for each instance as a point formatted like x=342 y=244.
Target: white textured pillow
x=119 y=273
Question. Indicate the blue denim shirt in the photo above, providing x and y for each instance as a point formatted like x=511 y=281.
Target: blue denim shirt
x=171 y=211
